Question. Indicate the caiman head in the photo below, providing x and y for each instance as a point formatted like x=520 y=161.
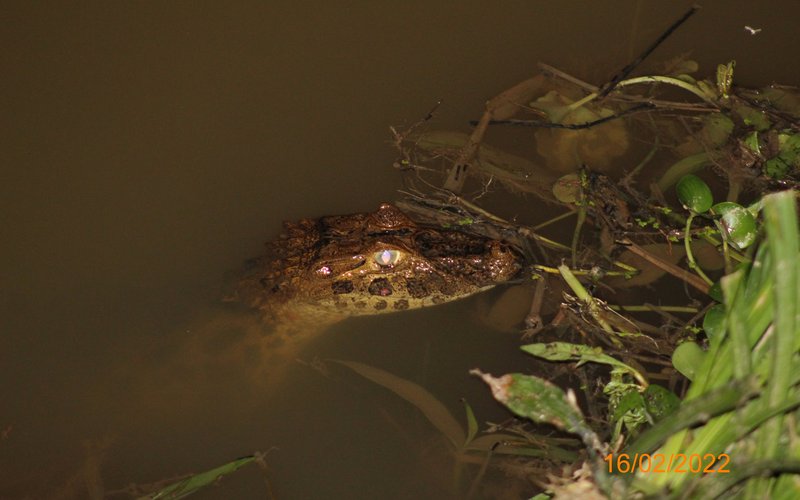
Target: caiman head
x=323 y=270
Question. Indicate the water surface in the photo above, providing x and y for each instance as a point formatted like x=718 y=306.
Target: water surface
x=148 y=149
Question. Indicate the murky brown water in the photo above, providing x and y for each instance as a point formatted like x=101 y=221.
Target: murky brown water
x=149 y=148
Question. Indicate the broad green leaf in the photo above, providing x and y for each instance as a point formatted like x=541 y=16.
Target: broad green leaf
x=715 y=402
x=752 y=117
x=724 y=207
x=660 y=402
x=715 y=292
x=784 y=99
x=567 y=189
x=788 y=157
x=717 y=128
x=564 y=351
x=714 y=322
x=632 y=401
x=694 y=194
x=738 y=224
x=751 y=142
x=539 y=400
x=687 y=358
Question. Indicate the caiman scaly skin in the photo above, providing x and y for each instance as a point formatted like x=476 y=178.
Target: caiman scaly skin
x=323 y=270
x=318 y=272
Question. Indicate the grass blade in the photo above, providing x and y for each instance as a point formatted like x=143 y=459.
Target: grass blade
x=192 y=484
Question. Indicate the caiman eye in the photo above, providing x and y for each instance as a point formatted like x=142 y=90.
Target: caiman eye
x=386 y=258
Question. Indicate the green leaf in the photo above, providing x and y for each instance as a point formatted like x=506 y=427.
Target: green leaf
x=660 y=402
x=472 y=422
x=567 y=189
x=724 y=207
x=738 y=223
x=564 y=351
x=752 y=117
x=751 y=142
x=694 y=194
x=540 y=401
x=725 y=78
x=436 y=413
x=708 y=91
x=632 y=401
x=780 y=218
x=788 y=157
x=697 y=411
x=784 y=99
x=687 y=357
x=714 y=322
x=186 y=487
x=717 y=128
x=715 y=292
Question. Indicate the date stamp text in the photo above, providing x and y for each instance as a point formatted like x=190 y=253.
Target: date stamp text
x=678 y=463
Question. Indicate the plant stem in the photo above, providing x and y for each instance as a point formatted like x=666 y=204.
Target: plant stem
x=687 y=240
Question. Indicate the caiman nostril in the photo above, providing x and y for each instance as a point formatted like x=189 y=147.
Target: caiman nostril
x=339 y=287
x=381 y=287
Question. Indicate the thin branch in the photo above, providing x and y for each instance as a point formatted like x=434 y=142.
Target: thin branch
x=656 y=103
x=623 y=74
x=572 y=126
x=674 y=270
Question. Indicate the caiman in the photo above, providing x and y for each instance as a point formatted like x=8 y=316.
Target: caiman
x=321 y=271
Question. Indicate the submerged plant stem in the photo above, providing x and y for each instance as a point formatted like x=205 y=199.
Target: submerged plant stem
x=674 y=270
x=687 y=242
x=670 y=81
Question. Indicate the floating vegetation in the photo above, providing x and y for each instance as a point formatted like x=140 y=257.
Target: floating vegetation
x=696 y=399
